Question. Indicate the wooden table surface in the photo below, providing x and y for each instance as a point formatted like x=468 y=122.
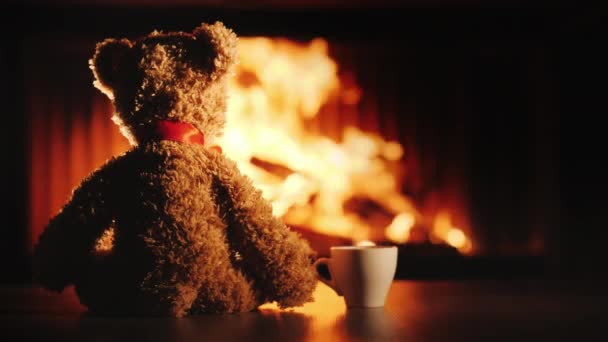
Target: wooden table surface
x=415 y=311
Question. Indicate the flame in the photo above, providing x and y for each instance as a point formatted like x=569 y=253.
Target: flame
x=399 y=230
x=444 y=230
x=279 y=86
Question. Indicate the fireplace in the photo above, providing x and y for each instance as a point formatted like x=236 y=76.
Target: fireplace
x=441 y=141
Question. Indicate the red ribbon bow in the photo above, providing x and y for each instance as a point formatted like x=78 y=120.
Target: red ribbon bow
x=177 y=131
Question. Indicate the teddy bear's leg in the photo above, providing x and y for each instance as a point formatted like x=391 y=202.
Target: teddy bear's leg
x=194 y=274
x=277 y=259
x=225 y=291
x=220 y=288
x=96 y=287
x=108 y=286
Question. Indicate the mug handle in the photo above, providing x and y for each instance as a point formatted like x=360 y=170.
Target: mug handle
x=329 y=282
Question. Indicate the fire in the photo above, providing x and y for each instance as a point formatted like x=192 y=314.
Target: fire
x=399 y=229
x=308 y=177
x=279 y=87
x=444 y=230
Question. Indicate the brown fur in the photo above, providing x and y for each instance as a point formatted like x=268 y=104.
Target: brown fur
x=191 y=234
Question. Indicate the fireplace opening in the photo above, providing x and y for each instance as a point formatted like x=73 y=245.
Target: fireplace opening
x=441 y=144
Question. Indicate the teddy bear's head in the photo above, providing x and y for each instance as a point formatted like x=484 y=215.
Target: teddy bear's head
x=172 y=76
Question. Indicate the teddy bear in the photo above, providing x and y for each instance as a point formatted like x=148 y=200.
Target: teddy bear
x=190 y=233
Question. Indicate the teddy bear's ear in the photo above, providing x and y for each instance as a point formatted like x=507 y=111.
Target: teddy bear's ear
x=111 y=56
x=223 y=41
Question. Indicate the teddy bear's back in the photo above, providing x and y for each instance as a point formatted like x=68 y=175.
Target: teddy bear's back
x=164 y=189
x=165 y=205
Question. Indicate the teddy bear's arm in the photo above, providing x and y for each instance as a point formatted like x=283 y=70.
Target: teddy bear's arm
x=276 y=258
x=70 y=235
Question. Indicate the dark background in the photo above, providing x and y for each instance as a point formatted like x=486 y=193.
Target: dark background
x=532 y=94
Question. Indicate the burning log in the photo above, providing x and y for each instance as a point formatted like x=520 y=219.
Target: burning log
x=376 y=216
x=278 y=170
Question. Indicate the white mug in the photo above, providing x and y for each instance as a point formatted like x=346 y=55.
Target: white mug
x=362 y=274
